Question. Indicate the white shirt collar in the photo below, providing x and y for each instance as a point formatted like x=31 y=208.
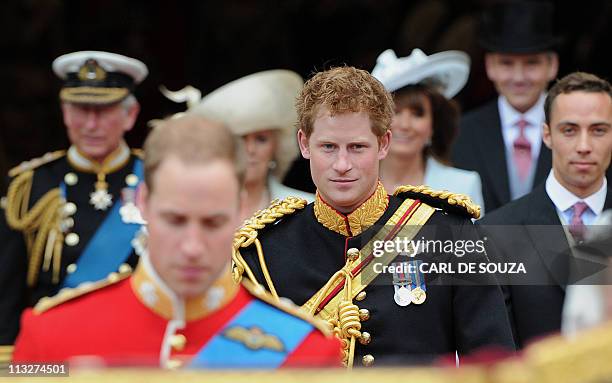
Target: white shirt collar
x=564 y=199
x=509 y=116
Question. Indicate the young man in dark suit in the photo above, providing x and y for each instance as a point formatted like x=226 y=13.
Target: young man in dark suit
x=501 y=139
x=541 y=228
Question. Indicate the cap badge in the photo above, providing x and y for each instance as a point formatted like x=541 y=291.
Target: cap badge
x=91 y=71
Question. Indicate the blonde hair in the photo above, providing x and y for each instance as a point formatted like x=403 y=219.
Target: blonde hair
x=342 y=90
x=193 y=139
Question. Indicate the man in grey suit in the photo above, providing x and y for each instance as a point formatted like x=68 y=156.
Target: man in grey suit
x=502 y=139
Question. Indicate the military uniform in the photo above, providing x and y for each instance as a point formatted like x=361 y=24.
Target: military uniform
x=304 y=246
x=62 y=184
x=70 y=216
x=139 y=321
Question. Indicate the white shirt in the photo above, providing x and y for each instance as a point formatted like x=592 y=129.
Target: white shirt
x=564 y=200
x=533 y=131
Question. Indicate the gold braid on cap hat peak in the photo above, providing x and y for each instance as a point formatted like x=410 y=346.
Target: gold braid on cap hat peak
x=446 y=197
x=247 y=235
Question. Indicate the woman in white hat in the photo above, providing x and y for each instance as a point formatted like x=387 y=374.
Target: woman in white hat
x=426 y=121
x=259 y=108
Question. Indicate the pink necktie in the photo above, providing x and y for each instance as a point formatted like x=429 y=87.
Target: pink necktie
x=522 y=151
x=576 y=227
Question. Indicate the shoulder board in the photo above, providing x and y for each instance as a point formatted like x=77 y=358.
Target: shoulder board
x=287 y=306
x=247 y=234
x=36 y=162
x=453 y=202
x=67 y=294
x=138 y=153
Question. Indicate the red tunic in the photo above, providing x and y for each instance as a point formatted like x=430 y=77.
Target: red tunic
x=115 y=324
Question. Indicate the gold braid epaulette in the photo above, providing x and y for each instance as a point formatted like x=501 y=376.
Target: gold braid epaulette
x=247 y=235
x=69 y=293
x=40 y=224
x=446 y=197
x=36 y=162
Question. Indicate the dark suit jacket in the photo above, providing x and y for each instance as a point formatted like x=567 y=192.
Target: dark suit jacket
x=528 y=230
x=480 y=147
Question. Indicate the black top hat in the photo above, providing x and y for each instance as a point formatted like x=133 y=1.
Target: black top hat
x=518 y=27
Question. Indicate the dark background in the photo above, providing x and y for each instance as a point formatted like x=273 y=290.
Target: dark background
x=208 y=43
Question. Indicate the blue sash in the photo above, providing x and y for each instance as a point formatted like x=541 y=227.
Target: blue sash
x=224 y=352
x=110 y=246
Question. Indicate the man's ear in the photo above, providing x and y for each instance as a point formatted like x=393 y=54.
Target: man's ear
x=132 y=115
x=303 y=143
x=553 y=69
x=490 y=66
x=546 y=136
x=384 y=143
x=142 y=196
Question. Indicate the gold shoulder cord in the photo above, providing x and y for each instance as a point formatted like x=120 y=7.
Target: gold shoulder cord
x=347 y=326
x=451 y=198
x=40 y=225
x=247 y=235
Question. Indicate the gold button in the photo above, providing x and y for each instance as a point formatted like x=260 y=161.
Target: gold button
x=71 y=268
x=71 y=179
x=367 y=360
x=178 y=341
x=67 y=224
x=173 y=364
x=125 y=268
x=70 y=208
x=72 y=239
x=131 y=180
x=352 y=253
x=361 y=296
x=364 y=314
x=365 y=338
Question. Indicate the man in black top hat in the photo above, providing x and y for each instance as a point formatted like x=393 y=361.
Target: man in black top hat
x=502 y=139
x=69 y=216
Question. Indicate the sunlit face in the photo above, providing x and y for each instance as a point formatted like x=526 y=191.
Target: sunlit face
x=260 y=147
x=580 y=137
x=192 y=213
x=344 y=156
x=97 y=130
x=412 y=129
x=521 y=78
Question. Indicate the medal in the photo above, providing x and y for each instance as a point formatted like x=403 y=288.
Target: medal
x=402 y=296
x=100 y=199
x=418 y=292
x=401 y=284
x=418 y=296
x=129 y=211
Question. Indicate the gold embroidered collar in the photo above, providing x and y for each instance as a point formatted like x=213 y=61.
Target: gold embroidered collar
x=117 y=159
x=356 y=222
x=151 y=291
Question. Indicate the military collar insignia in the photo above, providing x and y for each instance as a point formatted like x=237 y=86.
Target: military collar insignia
x=153 y=292
x=356 y=222
x=114 y=161
x=254 y=338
